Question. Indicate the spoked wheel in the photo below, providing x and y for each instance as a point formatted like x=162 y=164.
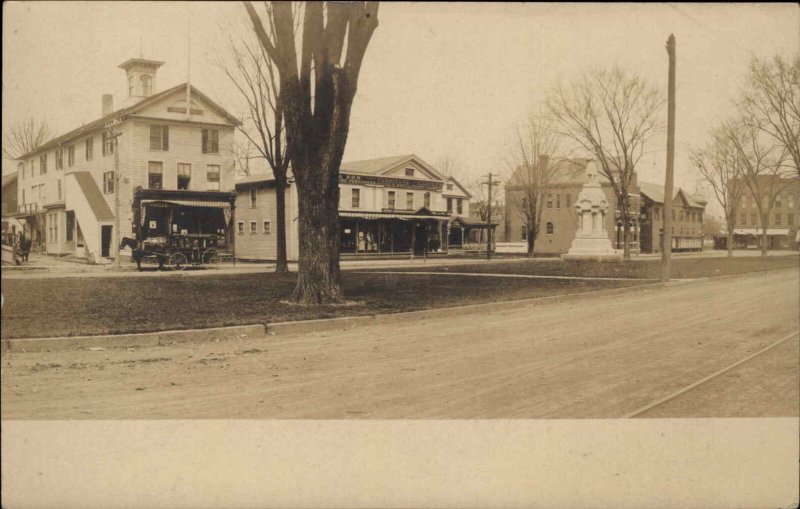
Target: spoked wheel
x=210 y=257
x=177 y=261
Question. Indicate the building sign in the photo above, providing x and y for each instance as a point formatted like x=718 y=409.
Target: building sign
x=370 y=180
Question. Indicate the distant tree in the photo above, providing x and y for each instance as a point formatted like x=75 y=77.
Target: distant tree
x=611 y=114
x=253 y=75
x=772 y=99
x=533 y=169
x=763 y=171
x=24 y=137
x=318 y=49
x=713 y=225
x=479 y=205
x=721 y=166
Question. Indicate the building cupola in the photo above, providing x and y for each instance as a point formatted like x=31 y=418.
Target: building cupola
x=141 y=77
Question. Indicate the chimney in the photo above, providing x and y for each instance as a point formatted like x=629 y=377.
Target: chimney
x=108 y=104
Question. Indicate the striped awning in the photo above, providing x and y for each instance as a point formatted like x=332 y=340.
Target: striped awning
x=368 y=215
x=758 y=231
x=187 y=203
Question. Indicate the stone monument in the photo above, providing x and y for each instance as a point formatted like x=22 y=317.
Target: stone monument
x=591 y=240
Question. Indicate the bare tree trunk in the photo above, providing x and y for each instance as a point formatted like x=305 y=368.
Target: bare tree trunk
x=319 y=278
x=764 y=222
x=281 y=264
x=531 y=242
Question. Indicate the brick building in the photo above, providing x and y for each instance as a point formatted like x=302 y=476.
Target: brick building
x=559 y=222
x=783 y=220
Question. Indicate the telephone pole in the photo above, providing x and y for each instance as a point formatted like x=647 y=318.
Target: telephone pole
x=114 y=134
x=489 y=236
x=666 y=246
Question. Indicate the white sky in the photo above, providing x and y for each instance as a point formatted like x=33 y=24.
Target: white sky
x=437 y=79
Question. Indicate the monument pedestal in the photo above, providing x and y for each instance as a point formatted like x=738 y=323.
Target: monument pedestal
x=591 y=240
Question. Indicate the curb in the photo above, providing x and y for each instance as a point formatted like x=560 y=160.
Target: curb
x=130 y=340
x=320 y=325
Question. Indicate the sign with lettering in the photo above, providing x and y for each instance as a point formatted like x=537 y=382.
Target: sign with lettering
x=371 y=180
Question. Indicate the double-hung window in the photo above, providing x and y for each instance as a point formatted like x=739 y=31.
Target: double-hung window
x=71 y=155
x=426 y=200
x=355 y=198
x=253 y=197
x=59 y=158
x=210 y=141
x=159 y=137
x=89 y=148
x=410 y=201
x=184 y=176
x=212 y=177
x=108 y=182
x=108 y=144
x=155 y=175
x=43 y=164
x=391 y=201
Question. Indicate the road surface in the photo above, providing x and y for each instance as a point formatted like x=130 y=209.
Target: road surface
x=599 y=357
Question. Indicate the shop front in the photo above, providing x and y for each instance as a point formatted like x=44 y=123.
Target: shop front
x=419 y=233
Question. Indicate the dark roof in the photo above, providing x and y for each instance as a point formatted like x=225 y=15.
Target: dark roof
x=147 y=101
x=102 y=212
x=373 y=166
x=9 y=179
x=655 y=192
x=473 y=223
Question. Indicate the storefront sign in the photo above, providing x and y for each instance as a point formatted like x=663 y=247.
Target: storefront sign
x=366 y=180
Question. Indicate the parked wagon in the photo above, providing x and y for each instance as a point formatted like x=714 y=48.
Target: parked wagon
x=177 y=229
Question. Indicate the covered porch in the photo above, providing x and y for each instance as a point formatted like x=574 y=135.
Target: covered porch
x=469 y=235
x=419 y=233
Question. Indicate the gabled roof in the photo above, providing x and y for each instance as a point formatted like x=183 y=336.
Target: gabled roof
x=655 y=193
x=147 y=101
x=457 y=183
x=565 y=171
x=385 y=164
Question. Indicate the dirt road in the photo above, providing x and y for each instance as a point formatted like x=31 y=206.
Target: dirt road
x=590 y=358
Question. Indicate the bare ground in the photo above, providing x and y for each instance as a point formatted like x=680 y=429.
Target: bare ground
x=599 y=357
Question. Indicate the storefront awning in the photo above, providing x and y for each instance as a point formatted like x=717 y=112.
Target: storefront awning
x=368 y=215
x=187 y=203
x=758 y=231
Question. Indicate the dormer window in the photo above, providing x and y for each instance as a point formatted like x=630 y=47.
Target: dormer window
x=147 y=84
x=409 y=172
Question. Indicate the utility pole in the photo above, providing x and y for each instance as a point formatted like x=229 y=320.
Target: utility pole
x=666 y=247
x=491 y=184
x=112 y=133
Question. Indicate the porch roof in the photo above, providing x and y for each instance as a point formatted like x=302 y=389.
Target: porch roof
x=420 y=214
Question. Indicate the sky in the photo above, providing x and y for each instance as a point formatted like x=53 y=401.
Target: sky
x=439 y=80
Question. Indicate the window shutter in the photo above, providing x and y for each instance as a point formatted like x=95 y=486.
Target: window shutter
x=165 y=137
x=205 y=140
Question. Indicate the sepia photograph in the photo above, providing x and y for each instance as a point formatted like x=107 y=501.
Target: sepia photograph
x=400 y=254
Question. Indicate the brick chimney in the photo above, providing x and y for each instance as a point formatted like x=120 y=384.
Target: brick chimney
x=108 y=104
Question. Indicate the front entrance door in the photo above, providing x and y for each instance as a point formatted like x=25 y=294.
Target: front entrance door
x=105 y=240
x=420 y=238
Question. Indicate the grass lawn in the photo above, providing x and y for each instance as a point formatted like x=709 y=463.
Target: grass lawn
x=642 y=269
x=75 y=306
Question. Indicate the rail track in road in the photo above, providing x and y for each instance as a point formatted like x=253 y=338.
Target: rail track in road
x=692 y=386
